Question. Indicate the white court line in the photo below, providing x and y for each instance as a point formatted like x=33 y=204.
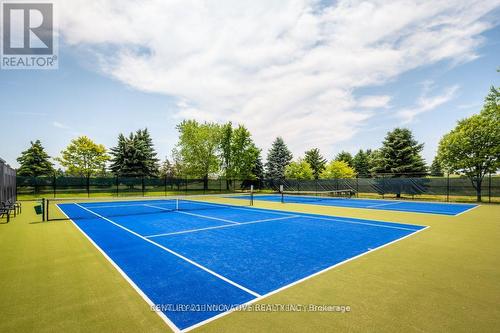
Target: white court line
x=362 y=223
x=384 y=204
x=125 y=276
x=251 y=292
x=468 y=210
x=193 y=214
x=299 y=281
x=222 y=226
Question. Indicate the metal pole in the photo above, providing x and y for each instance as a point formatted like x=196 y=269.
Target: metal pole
x=448 y=187
x=489 y=189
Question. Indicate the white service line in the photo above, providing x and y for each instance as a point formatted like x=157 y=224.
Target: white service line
x=362 y=223
x=468 y=210
x=221 y=226
x=251 y=292
x=193 y=214
x=384 y=204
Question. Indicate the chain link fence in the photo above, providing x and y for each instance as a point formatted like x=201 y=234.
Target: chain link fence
x=423 y=188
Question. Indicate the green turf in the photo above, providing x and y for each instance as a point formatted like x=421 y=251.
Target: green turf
x=443 y=279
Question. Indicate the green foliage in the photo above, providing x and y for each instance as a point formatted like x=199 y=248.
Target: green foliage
x=362 y=163
x=168 y=169
x=436 y=169
x=473 y=146
x=84 y=158
x=258 y=168
x=316 y=161
x=134 y=156
x=346 y=157
x=400 y=154
x=299 y=170
x=238 y=152
x=35 y=161
x=278 y=158
x=244 y=154
x=198 y=148
x=338 y=169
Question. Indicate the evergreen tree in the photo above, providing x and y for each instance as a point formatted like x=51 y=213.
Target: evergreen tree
x=120 y=156
x=316 y=161
x=346 y=157
x=361 y=163
x=167 y=169
x=35 y=161
x=258 y=167
x=278 y=158
x=400 y=154
x=134 y=156
x=147 y=153
x=436 y=169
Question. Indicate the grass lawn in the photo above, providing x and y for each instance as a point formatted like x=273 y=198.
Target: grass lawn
x=443 y=279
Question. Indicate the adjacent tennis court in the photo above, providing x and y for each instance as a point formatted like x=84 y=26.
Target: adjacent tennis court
x=400 y=206
x=197 y=259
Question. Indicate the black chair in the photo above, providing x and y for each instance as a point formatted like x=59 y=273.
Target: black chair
x=6 y=212
x=16 y=205
x=9 y=207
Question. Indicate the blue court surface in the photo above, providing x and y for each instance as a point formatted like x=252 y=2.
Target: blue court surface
x=202 y=259
x=401 y=206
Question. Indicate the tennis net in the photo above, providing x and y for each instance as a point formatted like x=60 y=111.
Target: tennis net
x=128 y=206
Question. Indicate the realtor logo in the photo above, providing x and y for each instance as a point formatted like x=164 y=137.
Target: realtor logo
x=28 y=36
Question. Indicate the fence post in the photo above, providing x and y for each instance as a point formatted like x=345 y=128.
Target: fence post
x=165 y=184
x=489 y=189
x=117 y=183
x=54 y=184
x=88 y=186
x=448 y=187
x=142 y=185
x=357 y=186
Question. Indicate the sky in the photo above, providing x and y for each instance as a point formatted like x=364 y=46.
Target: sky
x=337 y=75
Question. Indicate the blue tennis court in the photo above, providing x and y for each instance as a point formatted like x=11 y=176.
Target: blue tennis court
x=401 y=206
x=195 y=260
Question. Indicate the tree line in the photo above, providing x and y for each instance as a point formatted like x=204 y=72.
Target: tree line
x=206 y=150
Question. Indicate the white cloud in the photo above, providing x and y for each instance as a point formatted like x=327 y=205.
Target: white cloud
x=57 y=124
x=284 y=68
x=426 y=103
x=374 y=102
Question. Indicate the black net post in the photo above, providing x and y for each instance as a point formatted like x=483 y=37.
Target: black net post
x=45 y=209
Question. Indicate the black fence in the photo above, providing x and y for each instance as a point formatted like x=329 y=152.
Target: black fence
x=435 y=188
x=7 y=183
